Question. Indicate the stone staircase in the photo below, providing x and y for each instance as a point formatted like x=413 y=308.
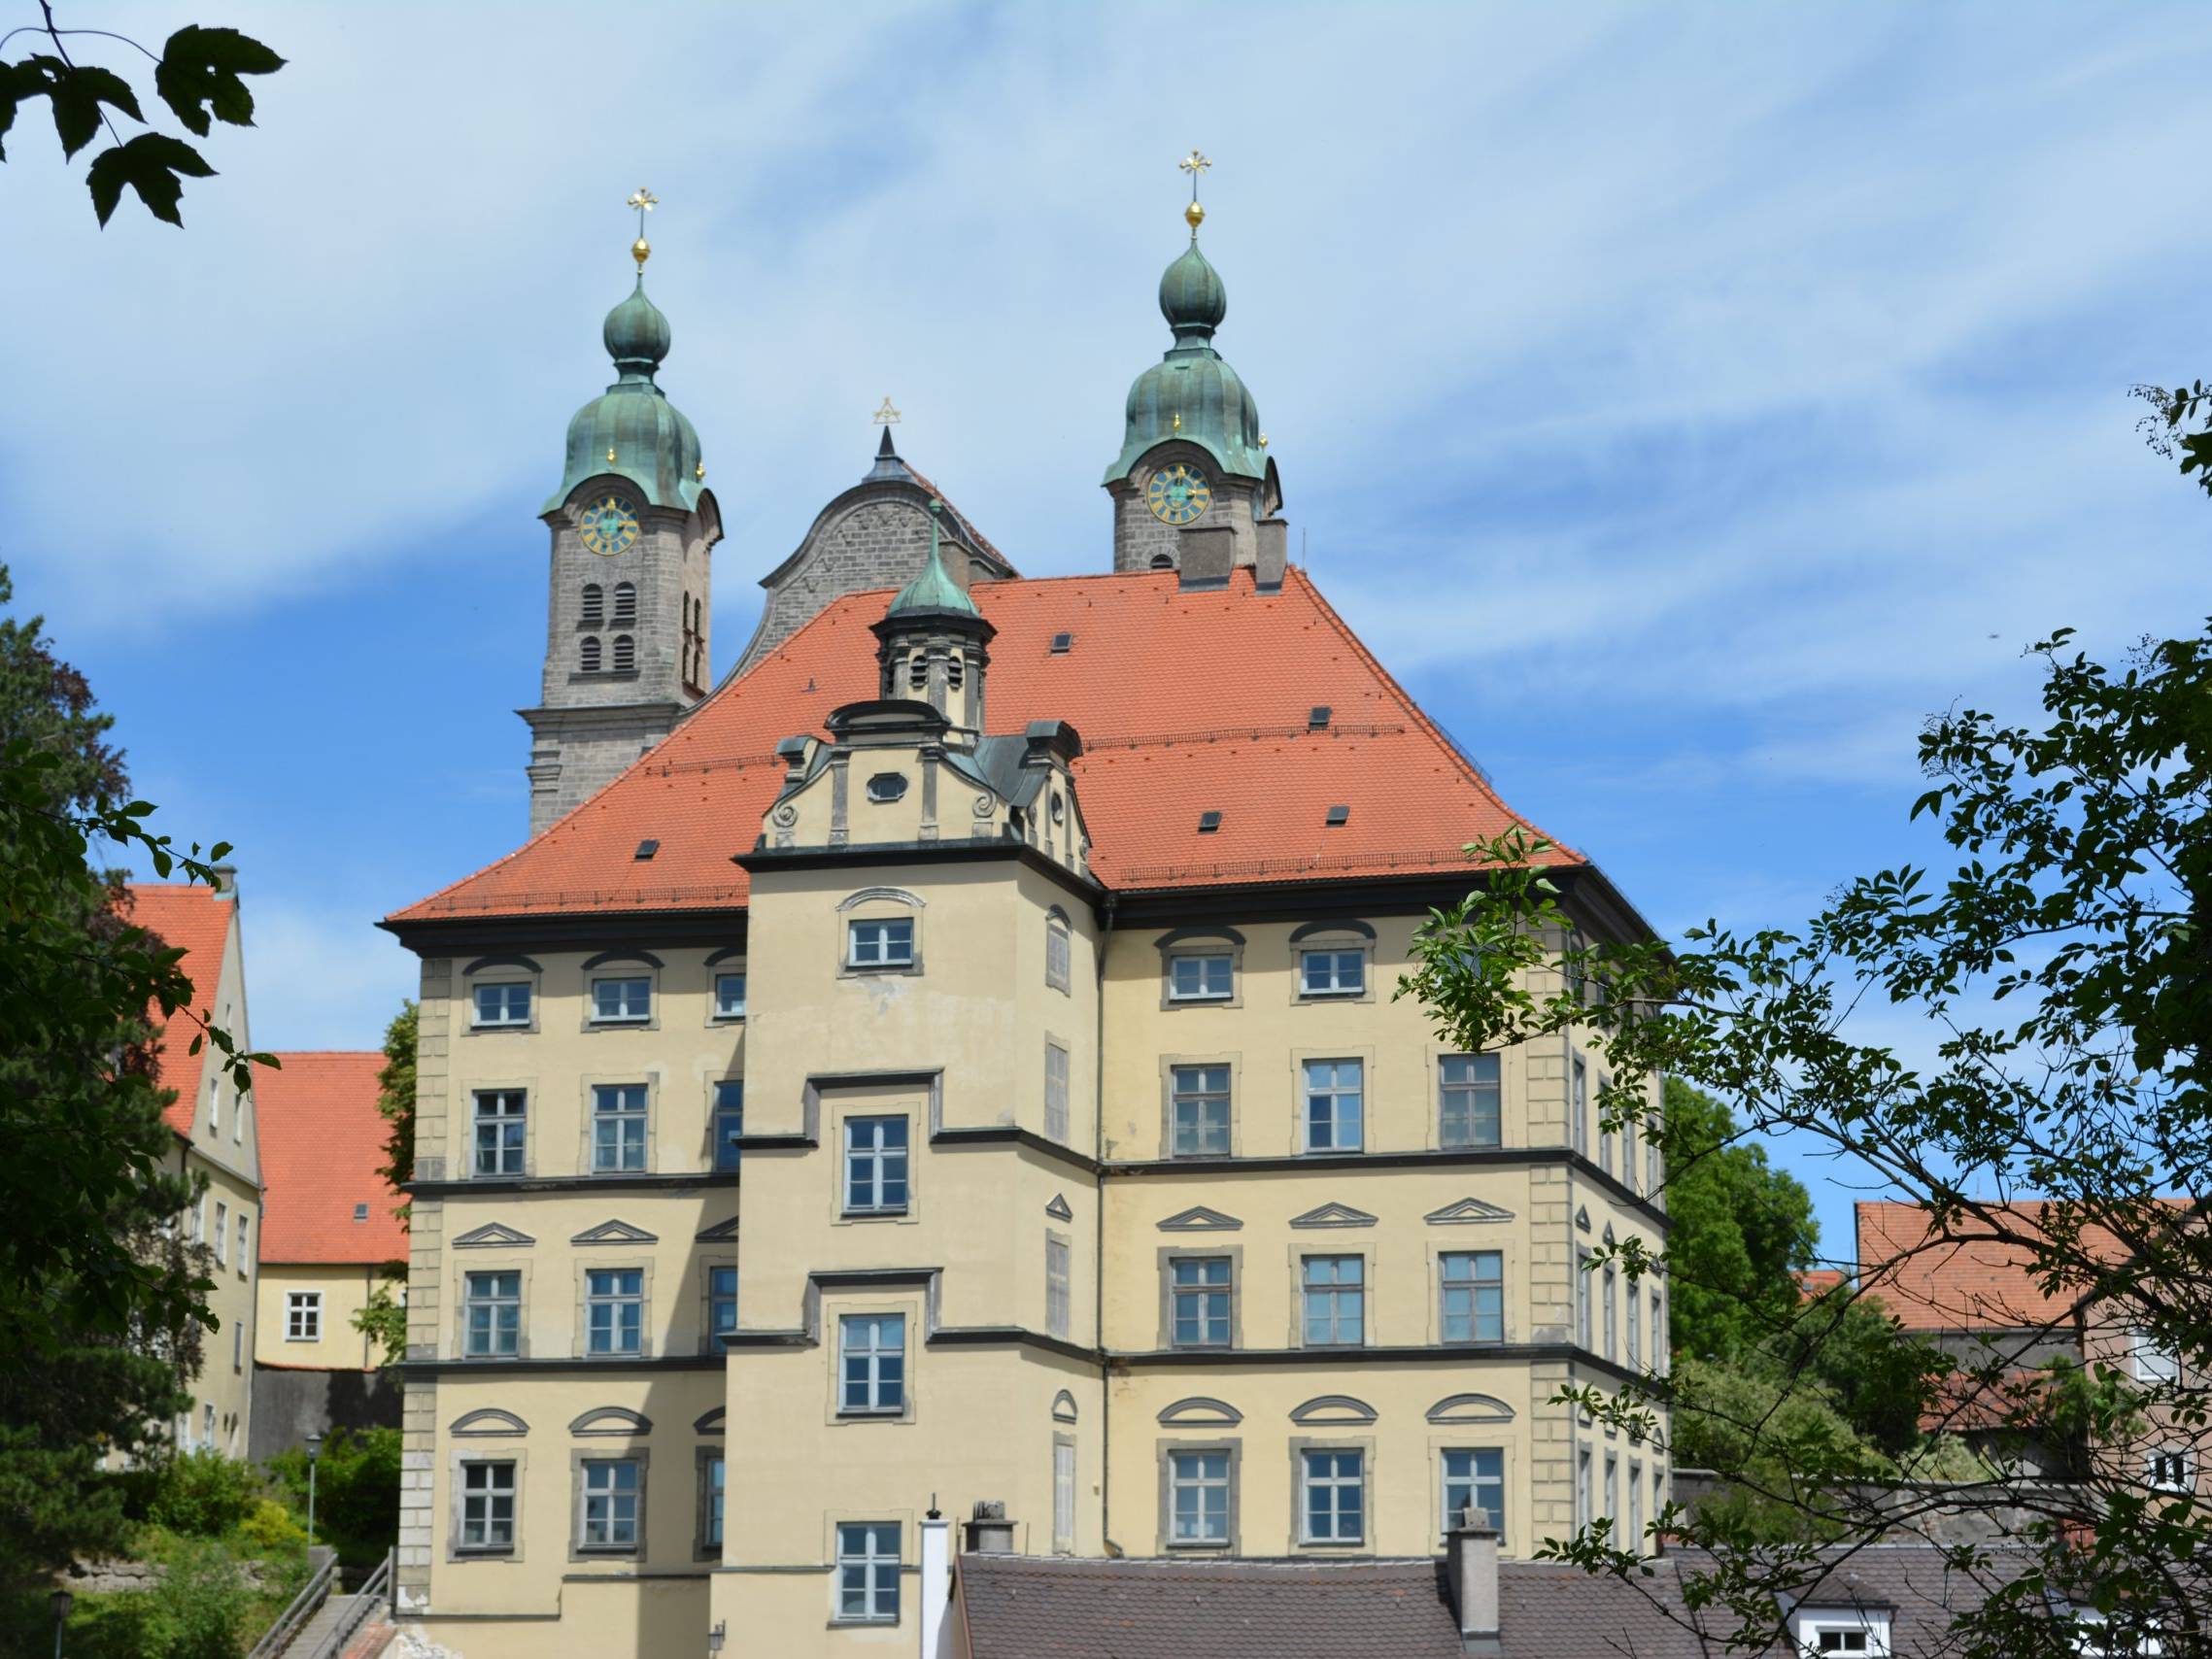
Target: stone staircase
x=322 y=1623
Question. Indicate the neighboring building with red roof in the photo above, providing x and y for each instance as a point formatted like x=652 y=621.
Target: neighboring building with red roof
x=329 y=1229
x=1027 y=948
x=216 y=1136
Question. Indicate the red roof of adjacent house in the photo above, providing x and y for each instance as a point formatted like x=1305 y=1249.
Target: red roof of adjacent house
x=1934 y=1283
x=192 y=918
x=1187 y=702
x=1815 y=1282
x=321 y=1146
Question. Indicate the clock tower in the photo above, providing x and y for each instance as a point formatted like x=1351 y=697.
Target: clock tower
x=633 y=527
x=1194 y=488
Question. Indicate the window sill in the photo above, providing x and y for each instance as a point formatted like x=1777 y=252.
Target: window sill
x=1200 y=1546
x=1332 y=1544
x=628 y=1022
x=618 y=1174
x=853 y=969
x=899 y=1214
x=863 y=1623
x=483 y=1552
x=893 y=1414
x=476 y=1028
x=1200 y=1001
x=738 y=1019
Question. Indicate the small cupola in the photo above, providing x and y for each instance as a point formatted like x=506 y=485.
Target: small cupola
x=933 y=645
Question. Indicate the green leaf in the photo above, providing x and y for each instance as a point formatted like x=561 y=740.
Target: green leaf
x=150 y=165
x=200 y=74
x=78 y=91
x=19 y=83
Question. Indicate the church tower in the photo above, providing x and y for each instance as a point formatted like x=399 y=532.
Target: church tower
x=632 y=528
x=1193 y=490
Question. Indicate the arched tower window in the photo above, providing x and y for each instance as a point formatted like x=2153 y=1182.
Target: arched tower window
x=918 y=672
x=625 y=654
x=588 y=654
x=1161 y=561
x=952 y=670
x=625 y=605
x=595 y=605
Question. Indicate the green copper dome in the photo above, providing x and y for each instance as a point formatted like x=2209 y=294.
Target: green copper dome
x=652 y=444
x=934 y=590
x=1192 y=393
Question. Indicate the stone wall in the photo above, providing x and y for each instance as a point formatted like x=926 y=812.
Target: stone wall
x=290 y=1404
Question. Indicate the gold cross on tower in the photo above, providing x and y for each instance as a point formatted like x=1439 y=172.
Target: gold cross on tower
x=1193 y=165
x=644 y=201
x=886 y=416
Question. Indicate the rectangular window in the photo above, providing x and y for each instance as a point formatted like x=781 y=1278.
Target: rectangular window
x=1057 y=971
x=221 y=1234
x=1055 y=1092
x=1474 y=1480
x=487 y=1506
x=1468 y=1097
x=1611 y=1497
x=1658 y=1343
x=886 y=943
x=502 y=1116
x=502 y=1004
x=872 y=1363
x=729 y=1122
x=1332 y=973
x=621 y=1001
x=618 y=1127
x=730 y=996
x=2168 y=1469
x=614 y=1310
x=1335 y=1305
x=198 y=1225
x=1199 y=1111
x=1605 y=1143
x=1335 y=1505
x=714 y=1474
x=1651 y=1158
x=303 y=1316
x=1635 y=1311
x=1198 y=1498
x=237 y=1344
x=245 y=1257
x=1584 y=1508
x=875 y=1165
x=1333 y=1105
x=721 y=1307
x=2154 y=1362
x=1063 y=1497
x=1582 y=1297
x=1474 y=1284
x=867 y=1571
x=1201 y=978
x=492 y=1313
x=1612 y=1300
x=610 y=1504
x=1200 y=1289
x=1635 y=1536
x=1628 y=1154
x=214 y=1107
x=1578 y=1104
x=1056 y=1296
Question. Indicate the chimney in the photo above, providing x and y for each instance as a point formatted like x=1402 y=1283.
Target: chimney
x=937 y=1583
x=990 y=1533
x=1471 y=1561
x=225 y=880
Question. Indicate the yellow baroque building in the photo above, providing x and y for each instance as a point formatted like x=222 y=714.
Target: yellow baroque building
x=957 y=1061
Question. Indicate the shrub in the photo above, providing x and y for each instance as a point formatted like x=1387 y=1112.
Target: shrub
x=356 y=1491
x=199 y=1611
x=269 y=1530
x=204 y=1494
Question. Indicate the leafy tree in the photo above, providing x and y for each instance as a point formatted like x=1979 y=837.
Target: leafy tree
x=356 y=1490
x=198 y=74
x=2066 y=972
x=384 y=1317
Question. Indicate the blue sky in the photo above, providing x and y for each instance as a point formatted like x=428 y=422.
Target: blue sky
x=1686 y=402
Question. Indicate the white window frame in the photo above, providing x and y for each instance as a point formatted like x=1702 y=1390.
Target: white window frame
x=221 y=1234
x=239 y=1227
x=1055 y=1091
x=622 y=1000
x=2150 y=1360
x=511 y=1113
x=716 y=1301
x=1335 y=1093
x=1463 y=1295
x=609 y=1495
x=723 y=1008
x=727 y=1116
x=1202 y=1100
x=1336 y=1484
x=878 y=943
x=1198 y=1293
x=2184 y=1477
x=873 y=1597
x=1578 y=1104
x=491 y=1301
x=507 y=1020
x=1324 y=1290
x=1482 y=1097
x=1808 y=1625
x=616 y=1298
x=871 y=1169
x=1063 y=1497
x=1471 y=1484
x=1190 y=1471
x=1059 y=953
x=482 y=1503
x=303 y=1316
x=1059 y=1273
x=1334 y=982
x=879 y=1387
x=1202 y=987
x=631 y=1119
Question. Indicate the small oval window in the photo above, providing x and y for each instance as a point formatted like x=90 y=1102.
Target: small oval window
x=886 y=786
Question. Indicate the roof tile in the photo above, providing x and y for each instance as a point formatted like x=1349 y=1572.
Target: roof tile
x=321 y=1147
x=194 y=920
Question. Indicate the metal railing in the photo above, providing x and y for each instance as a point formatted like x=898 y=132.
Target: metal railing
x=365 y=1600
x=303 y=1609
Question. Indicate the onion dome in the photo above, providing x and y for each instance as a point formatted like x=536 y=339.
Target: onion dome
x=933 y=591
x=632 y=430
x=1192 y=393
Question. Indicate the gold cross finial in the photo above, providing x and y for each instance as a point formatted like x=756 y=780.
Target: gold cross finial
x=644 y=201
x=886 y=416
x=1193 y=165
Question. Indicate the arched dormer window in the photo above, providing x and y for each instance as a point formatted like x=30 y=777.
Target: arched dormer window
x=595 y=605
x=625 y=654
x=1163 y=561
x=625 y=602
x=588 y=654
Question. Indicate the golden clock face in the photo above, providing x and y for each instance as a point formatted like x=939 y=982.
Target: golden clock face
x=1178 y=493
x=608 y=526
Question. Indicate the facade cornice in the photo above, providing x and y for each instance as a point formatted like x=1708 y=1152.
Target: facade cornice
x=413 y=1371
x=762 y=860
x=572 y=930
x=505 y=1186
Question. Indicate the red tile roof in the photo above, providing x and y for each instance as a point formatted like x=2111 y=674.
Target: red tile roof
x=1187 y=702
x=321 y=1142
x=1934 y=1283
x=1815 y=1282
x=193 y=919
